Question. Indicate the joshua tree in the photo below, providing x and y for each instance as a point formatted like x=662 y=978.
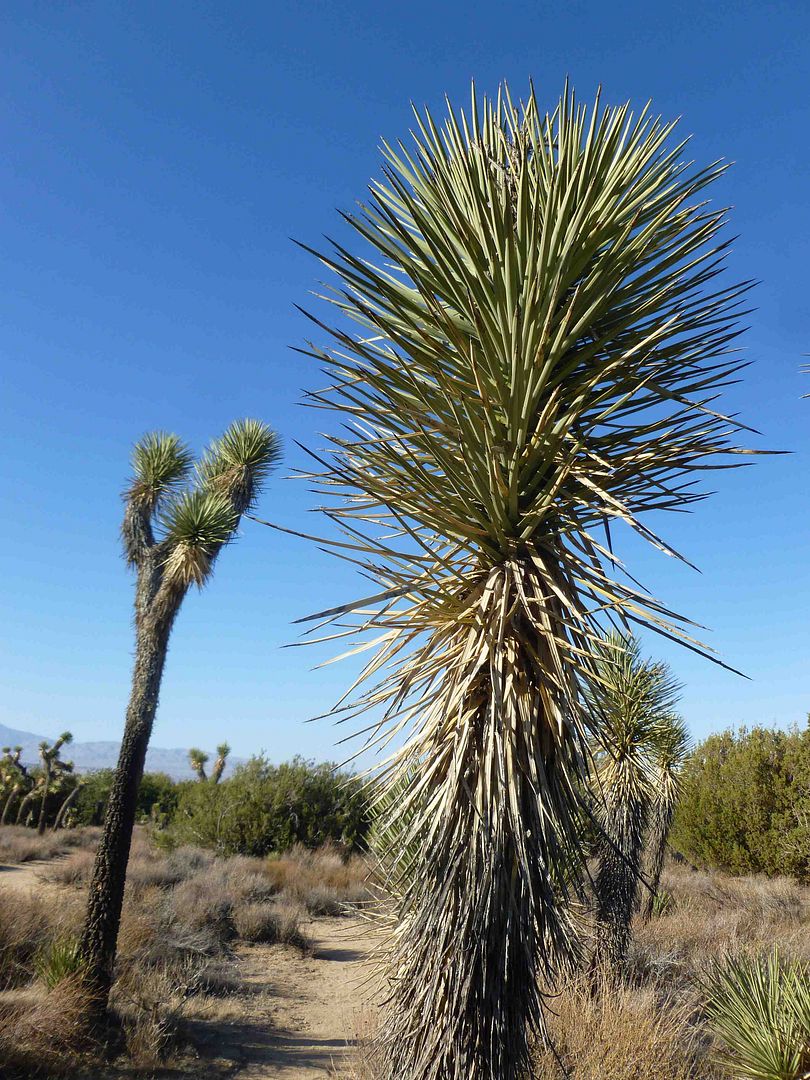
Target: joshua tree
x=174 y=528
x=198 y=759
x=37 y=784
x=219 y=765
x=13 y=791
x=52 y=765
x=73 y=794
x=672 y=749
x=633 y=704
x=539 y=355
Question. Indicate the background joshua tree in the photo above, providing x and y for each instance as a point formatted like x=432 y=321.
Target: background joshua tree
x=52 y=766
x=671 y=751
x=173 y=531
x=62 y=813
x=37 y=783
x=539 y=356
x=219 y=764
x=14 y=778
x=632 y=701
x=198 y=759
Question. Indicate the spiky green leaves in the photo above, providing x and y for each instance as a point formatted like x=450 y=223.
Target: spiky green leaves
x=160 y=463
x=238 y=464
x=197 y=525
x=542 y=342
x=197 y=522
x=760 y=1008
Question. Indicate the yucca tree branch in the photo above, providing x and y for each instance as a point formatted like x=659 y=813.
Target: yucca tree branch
x=529 y=357
x=172 y=535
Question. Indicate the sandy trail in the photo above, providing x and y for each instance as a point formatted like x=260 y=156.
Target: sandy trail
x=301 y=1013
x=25 y=877
x=294 y=1017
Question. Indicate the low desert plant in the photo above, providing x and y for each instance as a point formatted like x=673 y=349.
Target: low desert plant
x=760 y=1009
x=274 y=923
x=60 y=959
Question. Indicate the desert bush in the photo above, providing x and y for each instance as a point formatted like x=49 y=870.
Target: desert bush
x=745 y=806
x=264 y=808
x=323 y=880
x=760 y=1009
x=271 y=923
x=28 y=925
x=624 y=1033
x=58 y=960
x=157 y=797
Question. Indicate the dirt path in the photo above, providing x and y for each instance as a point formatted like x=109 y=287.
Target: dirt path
x=24 y=877
x=294 y=1016
x=298 y=1016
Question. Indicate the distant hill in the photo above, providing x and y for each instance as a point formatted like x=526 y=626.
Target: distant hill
x=103 y=755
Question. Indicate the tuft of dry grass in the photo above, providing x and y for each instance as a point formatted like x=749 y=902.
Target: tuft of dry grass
x=625 y=1033
x=21 y=845
x=45 y=1033
x=271 y=923
x=324 y=881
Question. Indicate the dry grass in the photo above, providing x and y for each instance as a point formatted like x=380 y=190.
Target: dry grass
x=21 y=845
x=183 y=912
x=45 y=1033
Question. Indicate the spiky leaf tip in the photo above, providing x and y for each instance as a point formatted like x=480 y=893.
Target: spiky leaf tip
x=160 y=462
x=238 y=463
x=197 y=524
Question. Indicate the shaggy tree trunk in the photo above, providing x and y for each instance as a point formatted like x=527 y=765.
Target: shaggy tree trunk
x=44 y=804
x=100 y=935
x=617 y=885
x=63 y=809
x=7 y=808
x=24 y=805
x=659 y=831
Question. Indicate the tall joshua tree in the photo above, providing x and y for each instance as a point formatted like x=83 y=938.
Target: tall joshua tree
x=541 y=345
x=671 y=752
x=198 y=759
x=173 y=530
x=632 y=703
x=52 y=766
x=223 y=750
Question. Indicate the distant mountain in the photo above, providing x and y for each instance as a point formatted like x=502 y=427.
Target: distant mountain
x=103 y=755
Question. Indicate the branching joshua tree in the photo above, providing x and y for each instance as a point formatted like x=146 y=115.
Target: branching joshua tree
x=52 y=766
x=223 y=750
x=198 y=759
x=632 y=704
x=174 y=528
x=671 y=752
x=541 y=343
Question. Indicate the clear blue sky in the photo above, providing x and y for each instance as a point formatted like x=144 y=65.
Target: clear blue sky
x=157 y=158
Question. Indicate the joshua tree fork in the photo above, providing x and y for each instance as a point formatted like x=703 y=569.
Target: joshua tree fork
x=52 y=766
x=173 y=531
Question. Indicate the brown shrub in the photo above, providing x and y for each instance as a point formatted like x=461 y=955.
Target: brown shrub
x=20 y=845
x=323 y=880
x=28 y=924
x=277 y=923
x=623 y=1033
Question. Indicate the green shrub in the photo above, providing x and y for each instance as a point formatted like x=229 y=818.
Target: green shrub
x=264 y=808
x=745 y=806
x=59 y=959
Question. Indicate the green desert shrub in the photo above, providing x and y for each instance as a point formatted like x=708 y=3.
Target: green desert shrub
x=745 y=804
x=58 y=960
x=267 y=808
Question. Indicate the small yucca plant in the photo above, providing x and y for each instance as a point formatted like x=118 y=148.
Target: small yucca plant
x=632 y=703
x=58 y=960
x=759 y=1007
